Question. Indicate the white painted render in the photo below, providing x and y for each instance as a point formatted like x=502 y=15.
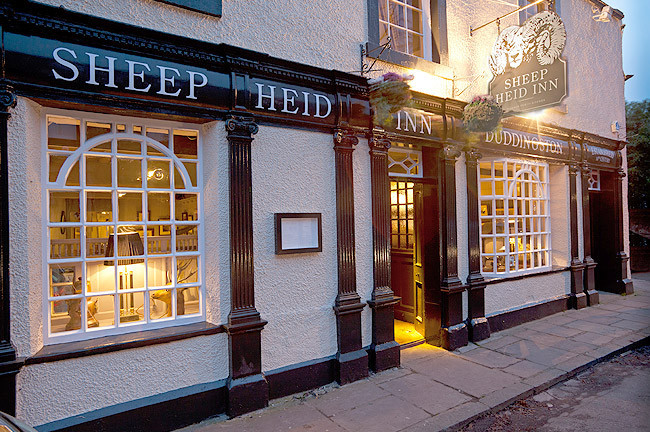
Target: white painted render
x=51 y=391
x=506 y=295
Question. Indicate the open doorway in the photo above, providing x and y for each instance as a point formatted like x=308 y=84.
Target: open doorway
x=602 y=210
x=415 y=254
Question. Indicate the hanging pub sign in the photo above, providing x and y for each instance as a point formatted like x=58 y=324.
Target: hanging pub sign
x=525 y=62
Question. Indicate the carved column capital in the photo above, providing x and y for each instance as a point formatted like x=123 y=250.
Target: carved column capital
x=472 y=154
x=344 y=139
x=620 y=174
x=241 y=126
x=449 y=153
x=574 y=169
x=7 y=97
x=586 y=170
x=379 y=143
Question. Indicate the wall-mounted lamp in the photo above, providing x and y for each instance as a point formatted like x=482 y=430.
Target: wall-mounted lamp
x=605 y=15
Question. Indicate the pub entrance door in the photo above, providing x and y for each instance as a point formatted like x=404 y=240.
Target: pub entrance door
x=415 y=270
x=603 y=226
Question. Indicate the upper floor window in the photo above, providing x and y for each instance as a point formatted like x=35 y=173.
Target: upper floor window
x=417 y=30
x=539 y=7
x=515 y=216
x=123 y=206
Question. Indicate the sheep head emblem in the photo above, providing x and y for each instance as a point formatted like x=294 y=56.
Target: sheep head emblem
x=542 y=37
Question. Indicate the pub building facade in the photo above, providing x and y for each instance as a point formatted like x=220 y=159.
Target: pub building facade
x=199 y=218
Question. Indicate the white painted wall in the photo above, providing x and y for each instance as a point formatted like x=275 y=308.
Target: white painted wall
x=52 y=391
x=326 y=34
x=502 y=296
x=293 y=172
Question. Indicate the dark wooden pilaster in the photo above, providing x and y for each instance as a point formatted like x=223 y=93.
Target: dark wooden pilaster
x=623 y=282
x=478 y=325
x=588 y=261
x=247 y=387
x=577 y=298
x=453 y=329
x=384 y=351
x=352 y=358
x=9 y=367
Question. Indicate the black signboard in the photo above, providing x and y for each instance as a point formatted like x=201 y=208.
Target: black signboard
x=526 y=143
x=417 y=123
x=599 y=156
x=68 y=66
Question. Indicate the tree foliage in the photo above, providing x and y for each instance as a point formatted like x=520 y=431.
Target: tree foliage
x=638 y=153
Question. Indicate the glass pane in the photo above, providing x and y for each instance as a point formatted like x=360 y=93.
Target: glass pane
x=191 y=170
x=94 y=129
x=501 y=244
x=129 y=206
x=161 y=304
x=414 y=20
x=129 y=146
x=186 y=144
x=499 y=210
x=486 y=188
x=160 y=135
x=99 y=207
x=129 y=172
x=499 y=188
x=178 y=179
x=498 y=169
x=486 y=226
x=188 y=301
x=159 y=206
x=187 y=204
x=415 y=45
x=131 y=275
x=98 y=171
x=64 y=206
x=56 y=161
x=65 y=315
x=398 y=39
x=187 y=270
x=65 y=279
x=101 y=311
x=160 y=241
x=65 y=243
x=187 y=239
x=159 y=272
x=500 y=225
x=486 y=208
x=73 y=175
x=100 y=276
x=501 y=264
x=487 y=245
x=131 y=307
x=396 y=14
x=158 y=173
x=382 y=10
x=63 y=133
x=486 y=170
x=488 y=264
x=97 y=240
x=384 y=32
x=129 y=243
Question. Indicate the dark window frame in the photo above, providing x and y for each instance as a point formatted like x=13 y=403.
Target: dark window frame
x=439 y=54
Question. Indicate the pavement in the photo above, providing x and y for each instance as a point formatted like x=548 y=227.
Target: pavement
x=437 y=390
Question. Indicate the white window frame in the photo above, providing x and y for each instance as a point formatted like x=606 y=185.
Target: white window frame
x=414 y=171
x=426 y=34
x=147 y=323
x=533 y=236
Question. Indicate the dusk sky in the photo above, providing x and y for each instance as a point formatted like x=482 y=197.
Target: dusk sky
x=636 y=47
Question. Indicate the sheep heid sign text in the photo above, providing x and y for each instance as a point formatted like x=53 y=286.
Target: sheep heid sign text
x=525 y=62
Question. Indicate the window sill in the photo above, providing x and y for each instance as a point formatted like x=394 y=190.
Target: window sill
x=495 y=280
x=407 y=60
x=108 y=344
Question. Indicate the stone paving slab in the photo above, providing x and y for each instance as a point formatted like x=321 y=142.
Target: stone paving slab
x=438 y=390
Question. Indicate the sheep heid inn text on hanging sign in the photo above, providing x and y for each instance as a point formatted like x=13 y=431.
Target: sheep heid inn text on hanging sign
x=53 y=63
x=525 y=62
